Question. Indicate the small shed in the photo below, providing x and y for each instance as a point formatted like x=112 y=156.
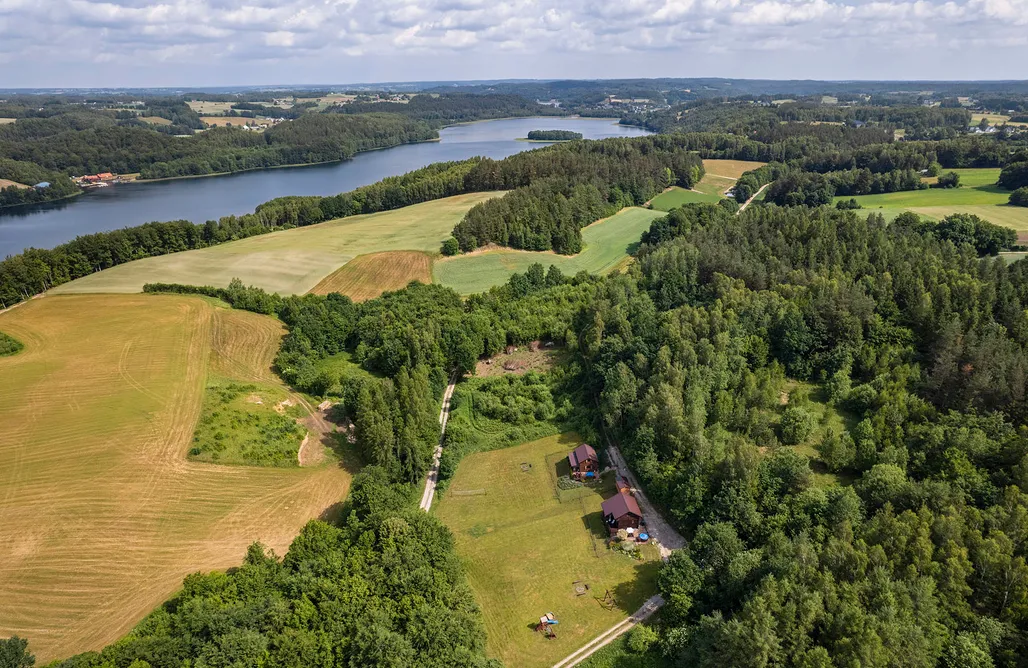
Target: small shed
x=583 y=460
x=621 y=511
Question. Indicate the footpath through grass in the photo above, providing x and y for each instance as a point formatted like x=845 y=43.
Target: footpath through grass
x=607 y=244
x=526 y=549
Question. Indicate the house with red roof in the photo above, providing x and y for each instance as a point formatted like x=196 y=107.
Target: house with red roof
x=583 y=460
x=621 y=511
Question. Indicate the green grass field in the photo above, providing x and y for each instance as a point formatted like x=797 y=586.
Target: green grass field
x=676 y=197
x=291 y=261
x=246 y=423
x=607 y=244
x=977 y=195
x=102 y=514
x=524 y=551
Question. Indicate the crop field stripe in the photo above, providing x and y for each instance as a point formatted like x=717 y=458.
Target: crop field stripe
x=101 y=515
x=291 y=261
x=368 y=276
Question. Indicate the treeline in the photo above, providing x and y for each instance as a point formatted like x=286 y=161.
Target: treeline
x=812 y=189
x=28 y=174
x=553 y=135
x=914 y=552
x=572 y=185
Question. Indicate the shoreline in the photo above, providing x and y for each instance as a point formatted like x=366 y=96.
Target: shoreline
x=8 y=207
x=260 y=169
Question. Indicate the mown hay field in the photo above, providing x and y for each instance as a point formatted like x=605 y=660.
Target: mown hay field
x=210 y=108
x=6 y=183
x=291 y=261
x=155 y=120
x=101 y=513
x=367 y=276
x=607 y=244
x=526 y=548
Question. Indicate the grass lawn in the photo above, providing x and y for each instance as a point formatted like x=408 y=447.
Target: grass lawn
x=977 y=194
x=102 y=514
x=676 y=197
x=607 y=244
x=524 y=550
x=711 y=184
x=291 y=261
x=367 y=276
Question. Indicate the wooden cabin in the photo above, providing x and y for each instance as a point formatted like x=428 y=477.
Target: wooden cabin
x=583 y=460
x=621 y=511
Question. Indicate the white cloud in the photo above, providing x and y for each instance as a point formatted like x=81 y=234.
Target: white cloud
x=304 y=40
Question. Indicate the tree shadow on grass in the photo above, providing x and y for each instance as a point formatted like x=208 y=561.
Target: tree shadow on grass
x=632 y=593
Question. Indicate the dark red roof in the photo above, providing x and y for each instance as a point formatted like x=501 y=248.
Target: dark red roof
x=621 y=504
x=581 y=453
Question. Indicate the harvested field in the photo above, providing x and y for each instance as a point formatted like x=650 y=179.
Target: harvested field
x=5 y=121
x=225 y=121
x=527 y=551
x=210 y=108
x=367 y=276
x=291 y=261
x=101 y=514
x=4 y=183
x=732 y=169
x=155 y=120
x=607 y=244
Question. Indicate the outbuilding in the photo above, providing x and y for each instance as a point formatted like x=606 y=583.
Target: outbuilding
x=583 y=460
x=621 y=511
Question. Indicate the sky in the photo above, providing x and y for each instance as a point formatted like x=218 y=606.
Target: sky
x=100 y=43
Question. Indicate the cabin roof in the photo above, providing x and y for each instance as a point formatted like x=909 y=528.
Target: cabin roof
x=621 y=504
x=581 y=454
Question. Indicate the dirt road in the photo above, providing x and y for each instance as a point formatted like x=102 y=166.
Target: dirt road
x=755 y=196
x=652 y=604
x=433 y=473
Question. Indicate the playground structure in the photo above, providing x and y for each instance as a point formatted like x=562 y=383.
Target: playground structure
x=546 y=624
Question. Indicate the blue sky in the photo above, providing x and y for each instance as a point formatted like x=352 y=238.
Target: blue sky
x=45 y=43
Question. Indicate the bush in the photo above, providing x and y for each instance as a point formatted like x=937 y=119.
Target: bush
x=844 y=205
x=1019 y=197
x=451 y=246
x=9 y=345
x=796 y=426
x=948 y=180
x=1014 y=176
x=641 y=638
x=729 y=205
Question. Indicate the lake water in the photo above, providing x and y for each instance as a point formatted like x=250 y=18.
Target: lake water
x=199 y=200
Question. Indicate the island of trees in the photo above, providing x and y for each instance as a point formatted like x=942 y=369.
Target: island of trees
x=553 y=135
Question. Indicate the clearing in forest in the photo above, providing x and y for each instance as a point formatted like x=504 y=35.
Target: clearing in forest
x=101 y=512
x=530 y=550
x=674 y=197
x=606 y=246
x=977 y=194
x=731 y=169
x=6 y=183
x=291 y=261
x=367 y=276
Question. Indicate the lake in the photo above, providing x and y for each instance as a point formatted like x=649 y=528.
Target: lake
x=209 y=198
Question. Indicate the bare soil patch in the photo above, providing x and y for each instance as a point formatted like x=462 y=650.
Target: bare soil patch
x=520 y=361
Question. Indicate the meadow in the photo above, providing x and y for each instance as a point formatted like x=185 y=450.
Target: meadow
x=526 y=549
x=102 y=514
x=719 y=177
x=607 y=244
x=367 y=276
x=978 y=194
x=6 y=183
x=291 y=261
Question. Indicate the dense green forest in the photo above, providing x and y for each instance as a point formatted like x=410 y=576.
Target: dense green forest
x=28 y=174
x=553 y=135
